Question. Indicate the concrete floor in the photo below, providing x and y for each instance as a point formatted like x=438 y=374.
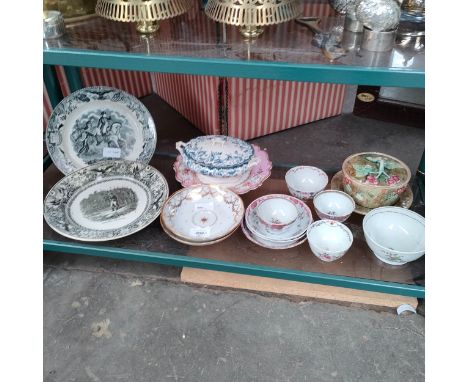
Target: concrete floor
x=101 y=326
x=107 y=320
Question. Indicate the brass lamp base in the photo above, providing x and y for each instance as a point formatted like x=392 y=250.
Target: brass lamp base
x=251 y=31
x=147 y=26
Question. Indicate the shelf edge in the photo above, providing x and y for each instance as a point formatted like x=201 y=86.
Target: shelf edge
x=234 y=267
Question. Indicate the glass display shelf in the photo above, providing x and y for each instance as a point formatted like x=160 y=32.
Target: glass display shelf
x=358 y=269
x=194 y=44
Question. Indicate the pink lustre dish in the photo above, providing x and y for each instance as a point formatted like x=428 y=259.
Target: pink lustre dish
x=258 y=173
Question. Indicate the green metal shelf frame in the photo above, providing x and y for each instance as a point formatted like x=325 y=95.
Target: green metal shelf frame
x=329 y=73
x=72 y=59
x=234 y=267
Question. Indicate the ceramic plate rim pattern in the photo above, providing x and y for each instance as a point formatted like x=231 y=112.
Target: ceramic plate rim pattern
x=194 y=243
x=250 y=210
x=239 y=189
x=336 y=184
x=249 y=236
x=101 y=170
x=248 y=148
x=66 y=106
x=188 y=189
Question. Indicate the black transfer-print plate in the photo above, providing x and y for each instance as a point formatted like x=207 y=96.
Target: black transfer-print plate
x=99 y=123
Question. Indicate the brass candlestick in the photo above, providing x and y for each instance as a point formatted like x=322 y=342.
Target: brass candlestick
x=145 y=13
x=252 y=15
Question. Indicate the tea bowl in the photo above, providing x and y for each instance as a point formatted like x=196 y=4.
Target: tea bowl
x=334 y=205
x=329 y=240
x=375 y=179
x=305 y=181
x=395 y=235
x=277 y=213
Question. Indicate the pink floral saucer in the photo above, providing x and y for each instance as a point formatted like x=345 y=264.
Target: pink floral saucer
x=258 y=173
x=405 y=200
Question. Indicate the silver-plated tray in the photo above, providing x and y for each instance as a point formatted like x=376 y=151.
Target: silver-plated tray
x=106 y=201
x=99 y=123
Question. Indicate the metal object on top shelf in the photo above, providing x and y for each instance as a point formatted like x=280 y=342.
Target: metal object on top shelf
x=380 y=19
x=252 y=15
x=53 y=24
x=329 y=43
x=413 y=18
x=145 y=12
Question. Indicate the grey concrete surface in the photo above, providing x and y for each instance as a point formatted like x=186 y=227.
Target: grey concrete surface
x=100 y=327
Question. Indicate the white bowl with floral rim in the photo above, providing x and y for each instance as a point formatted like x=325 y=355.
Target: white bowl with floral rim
x=290 y=232
x=395 y=235
x=334 y=205
x=305 y=181
x=202 y=213
x=329 y=240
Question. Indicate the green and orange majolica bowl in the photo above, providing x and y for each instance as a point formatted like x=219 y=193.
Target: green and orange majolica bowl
x=375 y=179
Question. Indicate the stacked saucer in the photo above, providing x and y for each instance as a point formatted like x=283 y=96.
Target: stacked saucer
x=224 y=161
x=202 y=215
x=277 y=221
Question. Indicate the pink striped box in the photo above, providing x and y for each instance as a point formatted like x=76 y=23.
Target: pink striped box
x=248 y=108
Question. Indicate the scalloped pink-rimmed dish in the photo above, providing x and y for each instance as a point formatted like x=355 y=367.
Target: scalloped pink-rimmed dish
x=258 y=174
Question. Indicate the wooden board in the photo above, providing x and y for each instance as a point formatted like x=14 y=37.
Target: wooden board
x=295 y=288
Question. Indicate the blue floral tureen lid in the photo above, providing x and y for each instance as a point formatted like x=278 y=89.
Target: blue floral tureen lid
x=217 y=151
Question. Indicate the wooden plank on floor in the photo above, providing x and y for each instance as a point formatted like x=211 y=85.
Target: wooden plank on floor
x=295 y=288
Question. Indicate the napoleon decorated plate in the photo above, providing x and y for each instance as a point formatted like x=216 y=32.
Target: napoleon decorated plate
x=106 y=201
x=99 y=123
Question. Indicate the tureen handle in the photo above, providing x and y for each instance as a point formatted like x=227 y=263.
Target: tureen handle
x=180 y=146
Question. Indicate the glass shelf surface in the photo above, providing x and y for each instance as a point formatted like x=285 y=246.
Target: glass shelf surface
x=194 y=36
x=359 y=262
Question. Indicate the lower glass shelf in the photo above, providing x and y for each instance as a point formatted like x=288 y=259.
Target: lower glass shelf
x=358 y=269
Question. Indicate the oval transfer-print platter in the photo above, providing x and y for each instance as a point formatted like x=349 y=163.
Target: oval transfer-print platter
x=106 y=201
x=99 y=123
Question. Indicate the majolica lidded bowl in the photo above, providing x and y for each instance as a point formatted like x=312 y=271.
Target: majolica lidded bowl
x=375 y=179
x=99 y=123
x=217 y=155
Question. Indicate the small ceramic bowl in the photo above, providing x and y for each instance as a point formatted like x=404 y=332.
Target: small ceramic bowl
x=306 y=181
x=334 y=205
x=395 y=235
x=329 y=240
x=277 y=213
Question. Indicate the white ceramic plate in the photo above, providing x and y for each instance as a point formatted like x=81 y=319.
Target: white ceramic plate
x=268 y=243
x=106 y=201
x=194 y=243
x=202 y=213
x=99 y=123
x=295 y=230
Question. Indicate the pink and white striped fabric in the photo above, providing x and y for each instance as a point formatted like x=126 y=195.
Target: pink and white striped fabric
x=47 y=106
x=136 y=83
x=261 y=107
x=195 y=97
